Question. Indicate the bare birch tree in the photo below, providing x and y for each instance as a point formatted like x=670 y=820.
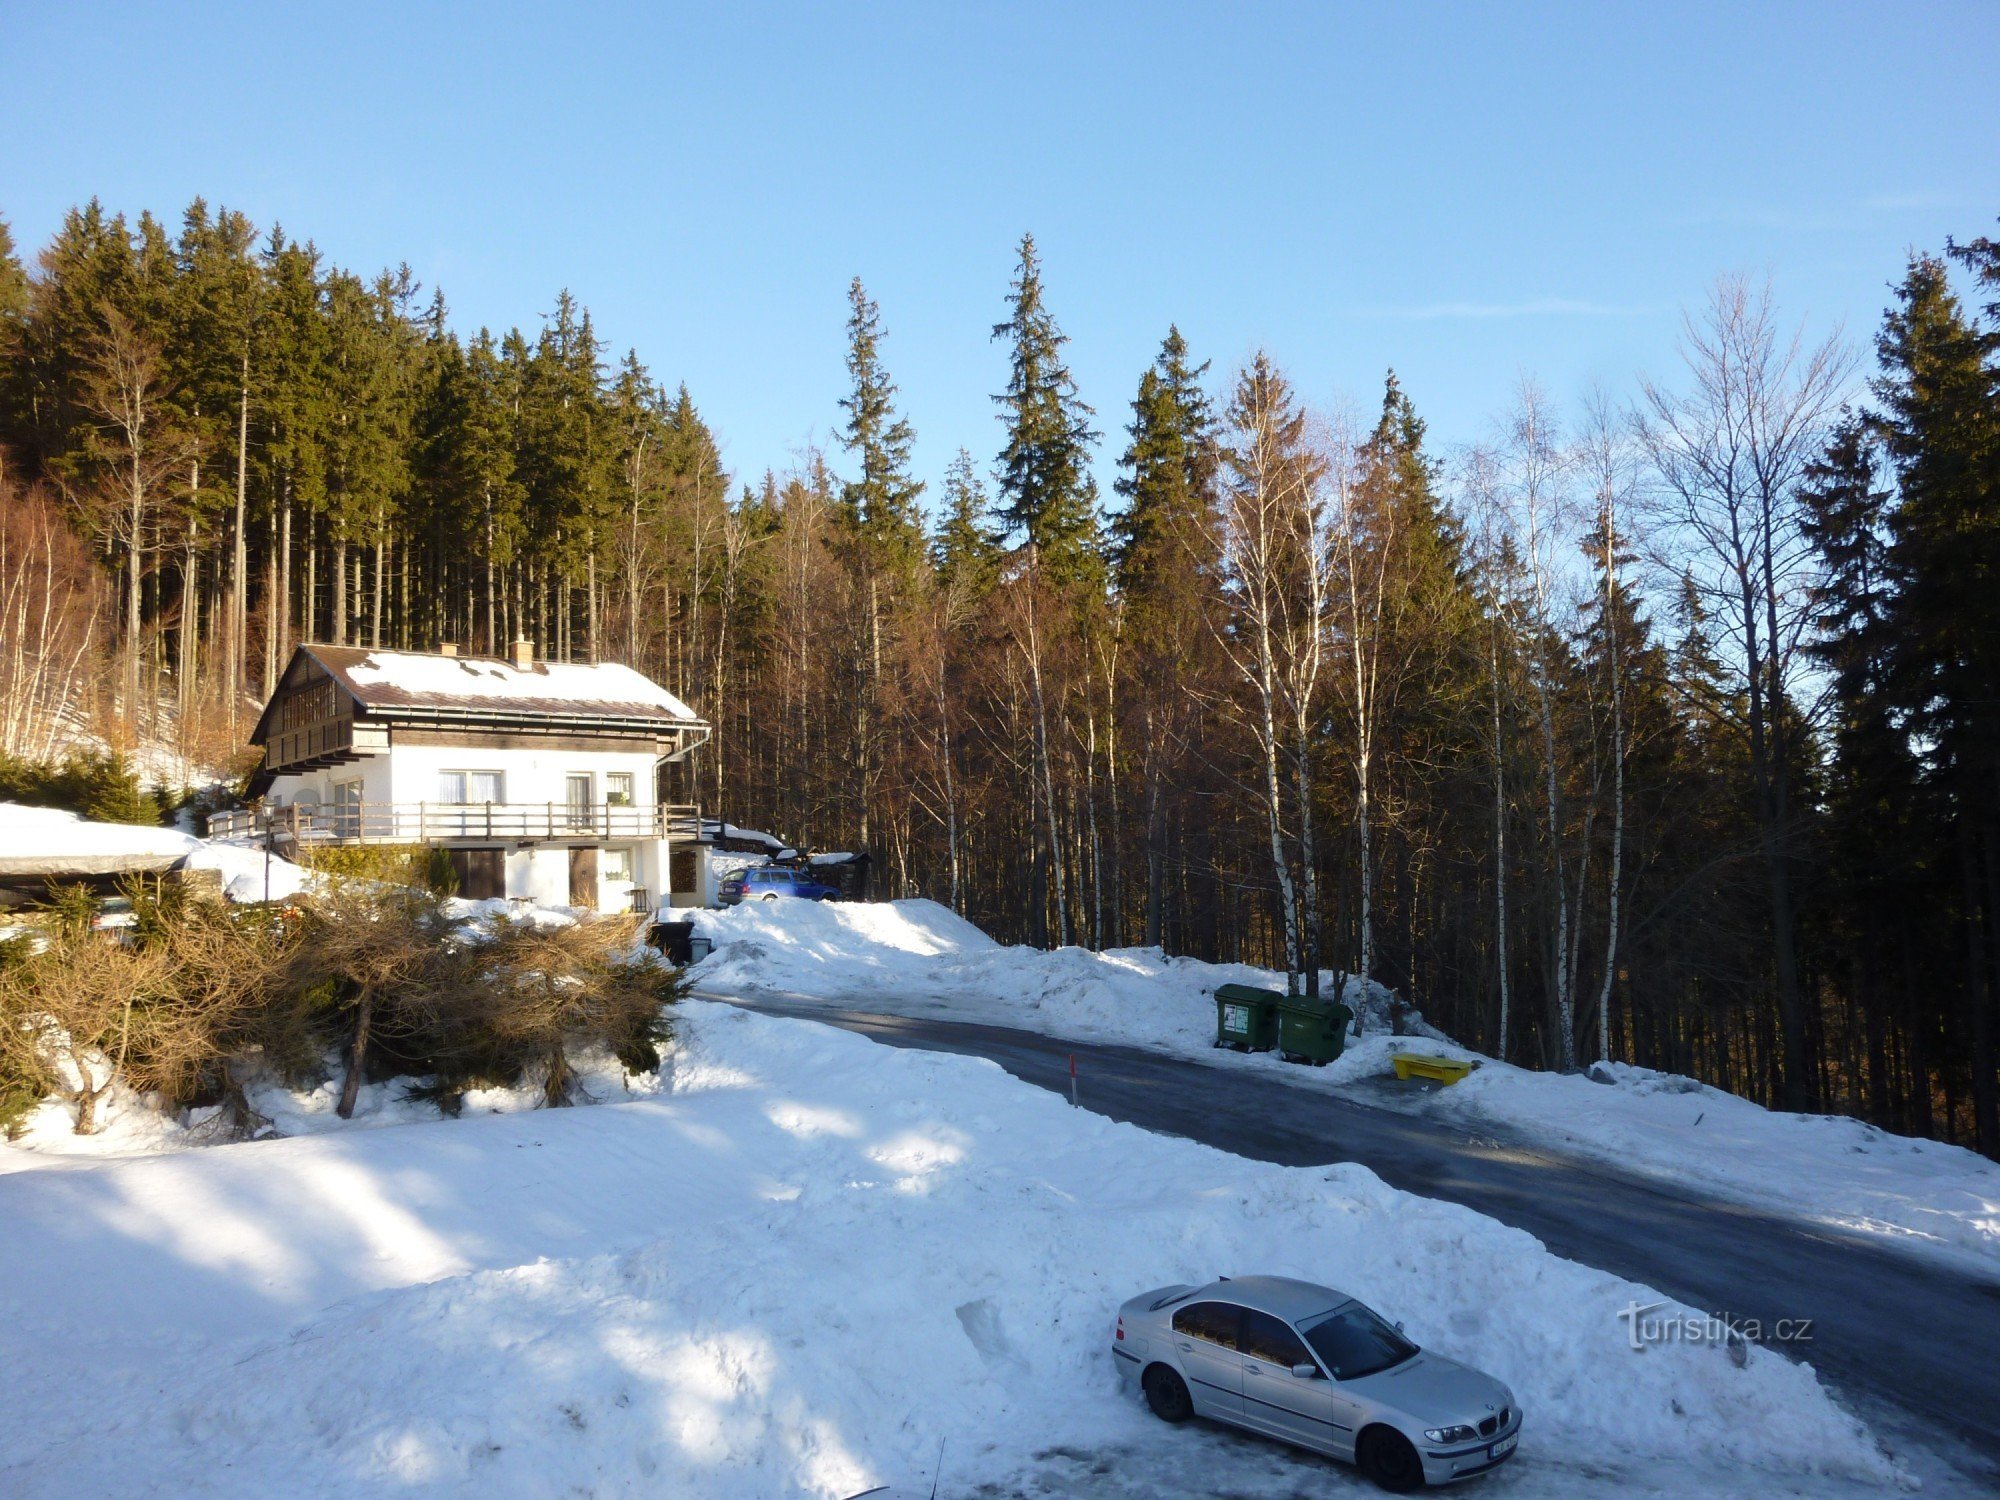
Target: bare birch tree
x=1499 y=566
x=1728 y=452
x=1537 y=485
x=1608 y=466
x=1271 y=546
x=1365 y=539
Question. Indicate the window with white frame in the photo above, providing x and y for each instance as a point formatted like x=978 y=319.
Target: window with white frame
x=462 y=787
x=615 y=864
x=618 y=788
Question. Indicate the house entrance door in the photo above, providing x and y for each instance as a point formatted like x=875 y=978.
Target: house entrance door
x=583 y=877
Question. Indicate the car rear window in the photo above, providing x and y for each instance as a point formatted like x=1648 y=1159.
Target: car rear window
x=1211 y=1322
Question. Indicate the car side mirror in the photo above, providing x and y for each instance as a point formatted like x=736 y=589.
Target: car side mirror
x=1399 y=1328
x=1305 y=1372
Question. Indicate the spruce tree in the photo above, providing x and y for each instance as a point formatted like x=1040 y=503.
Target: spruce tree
x=1874 y=835
x=1941 y=405
x=1941 y=425
x=964 y=552
x=372 y=364
x=88 y=269
x=1048 y=499
x=13 y=284
x=879 y=504
x=1169 y=483
x=293 y=393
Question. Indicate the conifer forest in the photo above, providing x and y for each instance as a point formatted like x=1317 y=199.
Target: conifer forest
x=1663 y=725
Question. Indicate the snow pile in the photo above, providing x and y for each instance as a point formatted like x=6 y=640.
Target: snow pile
x=249 y=874
x=129 y=1124
x=794 y=1274
x=1922 y=1194
x=136 y=1124
x=919 y=958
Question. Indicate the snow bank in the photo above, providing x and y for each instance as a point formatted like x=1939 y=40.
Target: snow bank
x=796 y=1274
x=136 y=1124
x=247 y=874
x=1922 y=1194
x=919 y=958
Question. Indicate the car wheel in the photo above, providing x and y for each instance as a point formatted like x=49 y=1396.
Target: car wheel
x=768 y=896
x=1167 y=1395
x=1386 y=1457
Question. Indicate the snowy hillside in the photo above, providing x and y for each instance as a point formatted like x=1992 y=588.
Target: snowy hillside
x=800 y=1271
x=919 y=958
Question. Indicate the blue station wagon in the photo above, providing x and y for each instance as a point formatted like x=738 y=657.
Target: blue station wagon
x=769 y=882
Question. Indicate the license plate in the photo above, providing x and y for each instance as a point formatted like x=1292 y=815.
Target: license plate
x=1502 y=1449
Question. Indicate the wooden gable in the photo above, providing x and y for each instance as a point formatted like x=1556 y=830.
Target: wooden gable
x=312 y=721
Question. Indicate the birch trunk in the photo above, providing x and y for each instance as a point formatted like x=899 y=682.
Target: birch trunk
x=1615 y=669
x=1044 y=774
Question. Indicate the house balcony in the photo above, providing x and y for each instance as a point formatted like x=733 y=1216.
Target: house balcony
x=331 y=825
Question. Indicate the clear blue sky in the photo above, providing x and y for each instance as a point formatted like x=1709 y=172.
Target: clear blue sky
x=1463 y=192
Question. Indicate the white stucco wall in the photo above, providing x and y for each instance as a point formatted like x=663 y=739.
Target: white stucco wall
x=530 y=776
x=409 y=774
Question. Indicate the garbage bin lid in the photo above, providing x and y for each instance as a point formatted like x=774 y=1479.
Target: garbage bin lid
x=1248 y=994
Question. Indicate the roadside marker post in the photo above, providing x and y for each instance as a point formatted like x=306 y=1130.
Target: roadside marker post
x=1072 y=1081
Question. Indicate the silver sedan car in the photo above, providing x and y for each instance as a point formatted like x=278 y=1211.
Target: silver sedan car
x=1313 y=1367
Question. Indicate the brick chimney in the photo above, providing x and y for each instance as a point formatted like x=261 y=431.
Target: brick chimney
x=524 y=653
x=447 y=648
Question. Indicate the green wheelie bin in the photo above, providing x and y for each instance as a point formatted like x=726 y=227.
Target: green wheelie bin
x=1246 y=1017
x=1312 y=1030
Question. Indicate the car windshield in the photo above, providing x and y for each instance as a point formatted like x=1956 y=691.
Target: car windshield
x=1352 y=1342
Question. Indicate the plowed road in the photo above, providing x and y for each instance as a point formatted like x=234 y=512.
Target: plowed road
x=1912 y=1348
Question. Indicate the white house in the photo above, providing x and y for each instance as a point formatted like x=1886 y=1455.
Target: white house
x=540 y=779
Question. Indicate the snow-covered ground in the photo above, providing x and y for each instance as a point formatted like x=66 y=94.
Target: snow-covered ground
x=134 y=1124
x=806 y=1266
x=917 y=957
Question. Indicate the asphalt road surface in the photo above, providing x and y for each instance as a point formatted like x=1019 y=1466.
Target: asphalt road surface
x=1912 y=1348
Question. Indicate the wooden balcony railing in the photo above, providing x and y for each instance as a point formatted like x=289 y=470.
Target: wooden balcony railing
x=449 y=822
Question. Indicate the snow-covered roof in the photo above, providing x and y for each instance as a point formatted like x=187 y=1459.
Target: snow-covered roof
x=717 y=830
x=47 y=843
x=411 y=680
